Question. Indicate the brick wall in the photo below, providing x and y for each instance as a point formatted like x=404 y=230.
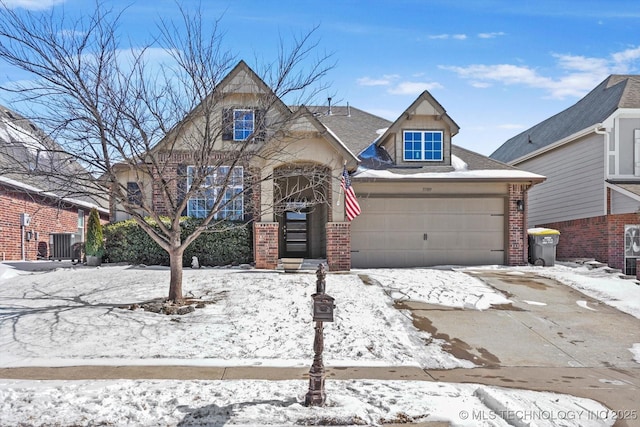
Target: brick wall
x=615 y=227
x=600 y=238
x=517 y=240
x=265 y=245
x=46 y=217
x=339 y=246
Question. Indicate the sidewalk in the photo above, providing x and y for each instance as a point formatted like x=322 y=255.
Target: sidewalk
x=618 y=389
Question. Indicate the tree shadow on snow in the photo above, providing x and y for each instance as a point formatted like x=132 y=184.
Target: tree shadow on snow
x=217 y=416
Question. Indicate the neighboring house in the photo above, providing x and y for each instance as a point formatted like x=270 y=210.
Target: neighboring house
x=590 y=154
x=424 y=201
x=40 y=192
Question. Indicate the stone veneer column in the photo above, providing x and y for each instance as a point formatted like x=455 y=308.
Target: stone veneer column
x=265 y=245
x=339 y=246
x=517 y=245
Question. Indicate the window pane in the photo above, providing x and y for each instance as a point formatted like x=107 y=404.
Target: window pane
x=433 y=146
x=200 y=205
x=412 y=145
x=242 y=124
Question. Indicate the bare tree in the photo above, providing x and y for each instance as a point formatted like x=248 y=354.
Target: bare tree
x=116 y=112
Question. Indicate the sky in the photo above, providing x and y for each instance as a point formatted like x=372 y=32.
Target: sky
x=497 y=67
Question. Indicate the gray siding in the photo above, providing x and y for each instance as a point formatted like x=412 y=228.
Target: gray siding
x=621 y=204
x=575 y=182
x=626 y=142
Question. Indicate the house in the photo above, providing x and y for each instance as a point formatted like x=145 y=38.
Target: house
x=424 y=200
x=590 y=154
x=37 y=202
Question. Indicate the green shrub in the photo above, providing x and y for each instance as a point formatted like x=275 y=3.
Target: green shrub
x=94 y=245
x=225 y=244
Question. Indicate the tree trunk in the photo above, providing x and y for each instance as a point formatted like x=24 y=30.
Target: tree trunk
x=175 y=283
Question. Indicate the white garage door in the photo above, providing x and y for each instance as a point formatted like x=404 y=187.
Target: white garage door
x=410 y=232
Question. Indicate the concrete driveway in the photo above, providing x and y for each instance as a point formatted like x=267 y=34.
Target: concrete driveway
x=551 y=338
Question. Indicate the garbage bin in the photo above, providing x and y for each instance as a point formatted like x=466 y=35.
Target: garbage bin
x=542 y=246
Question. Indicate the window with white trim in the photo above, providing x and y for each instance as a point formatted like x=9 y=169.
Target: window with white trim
x=243 y=124
x=419 y=145
x=213 y=187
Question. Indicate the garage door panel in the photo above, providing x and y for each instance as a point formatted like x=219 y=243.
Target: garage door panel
x=463 y=222
x=391 y=232
x=404 y=240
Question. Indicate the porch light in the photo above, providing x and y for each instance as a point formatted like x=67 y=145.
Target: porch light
x=520 y=205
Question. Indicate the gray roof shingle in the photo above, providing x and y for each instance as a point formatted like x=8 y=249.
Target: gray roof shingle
x=357 y=129
x=616 y=91
x=31 y=160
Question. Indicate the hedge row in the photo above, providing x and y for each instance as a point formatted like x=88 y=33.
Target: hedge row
x=226 y=244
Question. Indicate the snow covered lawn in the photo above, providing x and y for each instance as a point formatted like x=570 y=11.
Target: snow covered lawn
x=80 y=316
x=257 y=403
x=76 y=316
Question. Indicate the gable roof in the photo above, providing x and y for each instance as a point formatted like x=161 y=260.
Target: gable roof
x=360 y=130
x=422 y=98
x=357 y=129
x=331 y=136
x=219 y=91
x=32 y=162
x=616 y=91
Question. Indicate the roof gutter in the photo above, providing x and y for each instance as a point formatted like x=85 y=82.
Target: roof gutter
x=532 y=180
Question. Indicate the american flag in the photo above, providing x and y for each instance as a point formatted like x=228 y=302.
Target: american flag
x=351 y=205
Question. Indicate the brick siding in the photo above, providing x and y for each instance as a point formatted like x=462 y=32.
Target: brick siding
x=265 y=244
x=339 y=246
x=47 y=216
x=600 y=238
x=517 y=239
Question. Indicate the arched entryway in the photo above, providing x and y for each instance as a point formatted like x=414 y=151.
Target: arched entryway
x=301 y=204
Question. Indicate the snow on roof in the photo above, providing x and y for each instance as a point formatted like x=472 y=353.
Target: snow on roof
x=458 y=164
x=11 y=132
x=30 y=188
x=461 y=173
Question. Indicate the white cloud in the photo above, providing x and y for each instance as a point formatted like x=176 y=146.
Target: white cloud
x=578 y=74
x=491 y=35
x=623 y=58
x=385 y=80
x=32 y=4
x=368 y=81
x=448 y=36
x=413 y=88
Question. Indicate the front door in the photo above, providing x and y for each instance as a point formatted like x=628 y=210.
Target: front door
x=296 y=234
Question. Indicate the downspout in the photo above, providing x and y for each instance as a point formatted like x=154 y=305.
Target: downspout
x=600 y=130
x=22 y=248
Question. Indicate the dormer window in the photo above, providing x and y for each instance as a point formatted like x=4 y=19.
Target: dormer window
x=423 y=146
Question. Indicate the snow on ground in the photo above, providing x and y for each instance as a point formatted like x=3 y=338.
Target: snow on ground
x=255 y=317
x=259 y=402
x=437 y=286
x=599 y=283
x=79 y=316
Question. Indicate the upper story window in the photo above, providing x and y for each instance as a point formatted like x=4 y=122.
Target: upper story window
x=221 y=183
x=243 y=124
x=423 y=145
